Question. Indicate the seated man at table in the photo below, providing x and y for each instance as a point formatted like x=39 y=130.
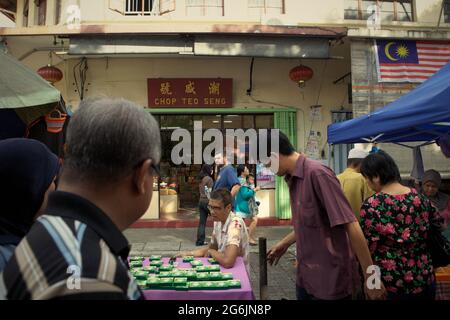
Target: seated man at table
x=229 y=237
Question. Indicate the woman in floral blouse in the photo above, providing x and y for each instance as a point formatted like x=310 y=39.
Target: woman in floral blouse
x=395 y=221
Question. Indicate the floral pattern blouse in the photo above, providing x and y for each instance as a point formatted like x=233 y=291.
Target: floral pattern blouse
x=396 y=229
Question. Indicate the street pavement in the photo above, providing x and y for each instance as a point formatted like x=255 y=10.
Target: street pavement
x=169 y=241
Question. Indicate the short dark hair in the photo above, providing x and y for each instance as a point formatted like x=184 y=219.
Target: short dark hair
x=354 y=162
x=223 y=195
x=380 y=165
x=285 y=146
x=240 y=169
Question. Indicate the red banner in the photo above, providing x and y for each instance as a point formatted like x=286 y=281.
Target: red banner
x=190 y=92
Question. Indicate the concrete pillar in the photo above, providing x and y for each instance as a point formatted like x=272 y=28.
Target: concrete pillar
x=50 y=15
x=19 y=13
x=32 y=12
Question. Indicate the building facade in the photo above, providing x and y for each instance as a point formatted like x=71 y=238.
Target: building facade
x=116 y=47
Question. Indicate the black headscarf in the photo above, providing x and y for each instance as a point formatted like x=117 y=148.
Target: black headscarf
x=27 y=168
x=440 y=199
x=205 y=171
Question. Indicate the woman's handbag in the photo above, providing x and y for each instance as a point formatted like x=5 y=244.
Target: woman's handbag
x=438 y=246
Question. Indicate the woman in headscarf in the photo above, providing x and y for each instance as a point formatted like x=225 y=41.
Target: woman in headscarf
x=431 y=182
x=205 y=186
x=27 y=173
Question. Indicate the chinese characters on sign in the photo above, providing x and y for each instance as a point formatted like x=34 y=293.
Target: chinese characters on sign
x=180 y=92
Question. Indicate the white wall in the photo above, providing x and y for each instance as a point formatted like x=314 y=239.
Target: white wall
x=6 y=22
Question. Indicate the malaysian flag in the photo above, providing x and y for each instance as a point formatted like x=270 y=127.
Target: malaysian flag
x=410 y=61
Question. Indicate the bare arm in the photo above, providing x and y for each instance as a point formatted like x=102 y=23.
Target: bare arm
x=227 y=258
x=235 y=190
x=359 y=246
x=277 y=251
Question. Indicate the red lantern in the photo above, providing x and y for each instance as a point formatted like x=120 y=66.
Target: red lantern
x=301 y=74
x=50 y=73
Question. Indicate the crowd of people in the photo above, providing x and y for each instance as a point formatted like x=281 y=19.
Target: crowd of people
x=68 y=216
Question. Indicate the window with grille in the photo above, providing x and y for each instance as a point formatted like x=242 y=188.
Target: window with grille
x=139 y=7
x=204 y=7
x=259 y=7
x=390 y=10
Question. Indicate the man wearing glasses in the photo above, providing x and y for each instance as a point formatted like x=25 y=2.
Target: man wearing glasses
x=229 y=238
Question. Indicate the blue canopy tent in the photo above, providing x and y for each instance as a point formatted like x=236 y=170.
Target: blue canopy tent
x=423 y=114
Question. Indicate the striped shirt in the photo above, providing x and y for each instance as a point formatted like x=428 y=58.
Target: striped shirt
x=73 y=251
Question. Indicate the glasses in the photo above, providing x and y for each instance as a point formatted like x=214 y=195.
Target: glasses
x=211 y=208
x=155 y=168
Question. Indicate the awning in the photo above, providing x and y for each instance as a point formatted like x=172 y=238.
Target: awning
x=21 y=87
x=423 y=114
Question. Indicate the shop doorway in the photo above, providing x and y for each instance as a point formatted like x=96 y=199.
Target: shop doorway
x=178 y=184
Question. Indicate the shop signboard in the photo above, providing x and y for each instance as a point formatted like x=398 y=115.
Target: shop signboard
x=190 y=92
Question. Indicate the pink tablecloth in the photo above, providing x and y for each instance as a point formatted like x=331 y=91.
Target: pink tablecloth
x=239 y=272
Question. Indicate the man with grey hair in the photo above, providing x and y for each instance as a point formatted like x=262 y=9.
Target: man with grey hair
x=76 y=250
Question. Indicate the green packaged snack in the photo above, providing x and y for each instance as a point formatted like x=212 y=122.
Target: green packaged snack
x=215 y=276
x=188 y=258
x=182 y=288
x=150 y=269
x=165 y=274
x=179 y=274
x=201 y=269
x=194 y=285
x=142 y=284
x=166 y=282
x=196 y=263
x=221 y=285
x=153 y=282
x=136 y=269
x=136 y=258
x=141 y=275
x=179 y=282
x=234 y=283
x=213 y=268
x=208 y=285
x=213 y=261
x=203 y=276
x=156 y=263
x=191 y=275
x=134 y=264
x=154 y=257
x=227 y=276
x=167 y=267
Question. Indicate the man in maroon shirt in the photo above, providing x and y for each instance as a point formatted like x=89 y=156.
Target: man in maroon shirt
x=325 y=229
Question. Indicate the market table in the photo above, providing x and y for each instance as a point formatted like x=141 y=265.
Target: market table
x=443 y=283
x=239 y=273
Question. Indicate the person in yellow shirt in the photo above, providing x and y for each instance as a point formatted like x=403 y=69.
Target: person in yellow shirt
x=353 y=183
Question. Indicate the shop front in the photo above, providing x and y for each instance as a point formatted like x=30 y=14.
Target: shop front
x=176 y=192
